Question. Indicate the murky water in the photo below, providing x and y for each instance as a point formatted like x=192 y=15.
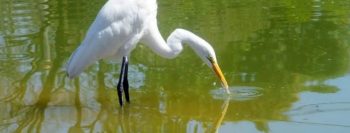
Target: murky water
x=286 y=61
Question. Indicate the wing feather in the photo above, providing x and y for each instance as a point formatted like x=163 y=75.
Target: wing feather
x=115 y=25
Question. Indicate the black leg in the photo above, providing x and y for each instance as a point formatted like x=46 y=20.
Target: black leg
x=120 y=83
x=125 y=79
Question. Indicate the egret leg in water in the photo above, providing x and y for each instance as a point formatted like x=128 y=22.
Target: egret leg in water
x=123 y=82
x=125 y=79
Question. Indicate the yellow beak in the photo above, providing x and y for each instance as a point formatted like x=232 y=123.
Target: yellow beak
x=218 y=72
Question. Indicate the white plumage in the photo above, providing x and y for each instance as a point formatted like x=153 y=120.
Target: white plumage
x=114 y=33
x=121 y=24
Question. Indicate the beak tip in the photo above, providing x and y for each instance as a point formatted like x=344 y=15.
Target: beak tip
x=227 y=90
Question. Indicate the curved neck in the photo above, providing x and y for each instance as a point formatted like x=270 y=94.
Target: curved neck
x=173 y=46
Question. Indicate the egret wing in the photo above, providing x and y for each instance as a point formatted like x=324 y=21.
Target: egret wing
x=114 y=25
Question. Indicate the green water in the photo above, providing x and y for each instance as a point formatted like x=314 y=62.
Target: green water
x=286 y=61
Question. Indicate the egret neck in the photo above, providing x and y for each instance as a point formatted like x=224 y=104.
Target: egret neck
x=173 y=47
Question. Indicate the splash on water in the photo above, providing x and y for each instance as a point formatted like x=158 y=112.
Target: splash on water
x=238 y=93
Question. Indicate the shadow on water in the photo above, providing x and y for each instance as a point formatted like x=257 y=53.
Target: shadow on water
x=271 y=52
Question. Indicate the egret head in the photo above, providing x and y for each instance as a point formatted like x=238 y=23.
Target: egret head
x=207 y=54
x=203 y=49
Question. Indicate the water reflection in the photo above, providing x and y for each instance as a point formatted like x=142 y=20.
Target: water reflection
x=319 y=108
x=222 y=115
x=273 y=52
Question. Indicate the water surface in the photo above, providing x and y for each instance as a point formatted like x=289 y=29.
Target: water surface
x=286 y=61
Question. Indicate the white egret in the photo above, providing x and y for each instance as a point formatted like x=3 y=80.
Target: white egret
x=120 y=25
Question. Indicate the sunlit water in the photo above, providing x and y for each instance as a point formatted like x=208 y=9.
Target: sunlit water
x=286 y=61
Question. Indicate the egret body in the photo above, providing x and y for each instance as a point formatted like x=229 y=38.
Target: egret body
x=118 y=28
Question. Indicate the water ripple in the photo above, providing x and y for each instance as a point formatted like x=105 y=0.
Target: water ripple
x=320 y=108
x=238 y=93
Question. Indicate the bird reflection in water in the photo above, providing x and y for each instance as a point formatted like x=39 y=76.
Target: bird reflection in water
x=221 y=117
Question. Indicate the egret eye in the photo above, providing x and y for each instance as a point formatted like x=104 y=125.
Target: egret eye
x=211 y=59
